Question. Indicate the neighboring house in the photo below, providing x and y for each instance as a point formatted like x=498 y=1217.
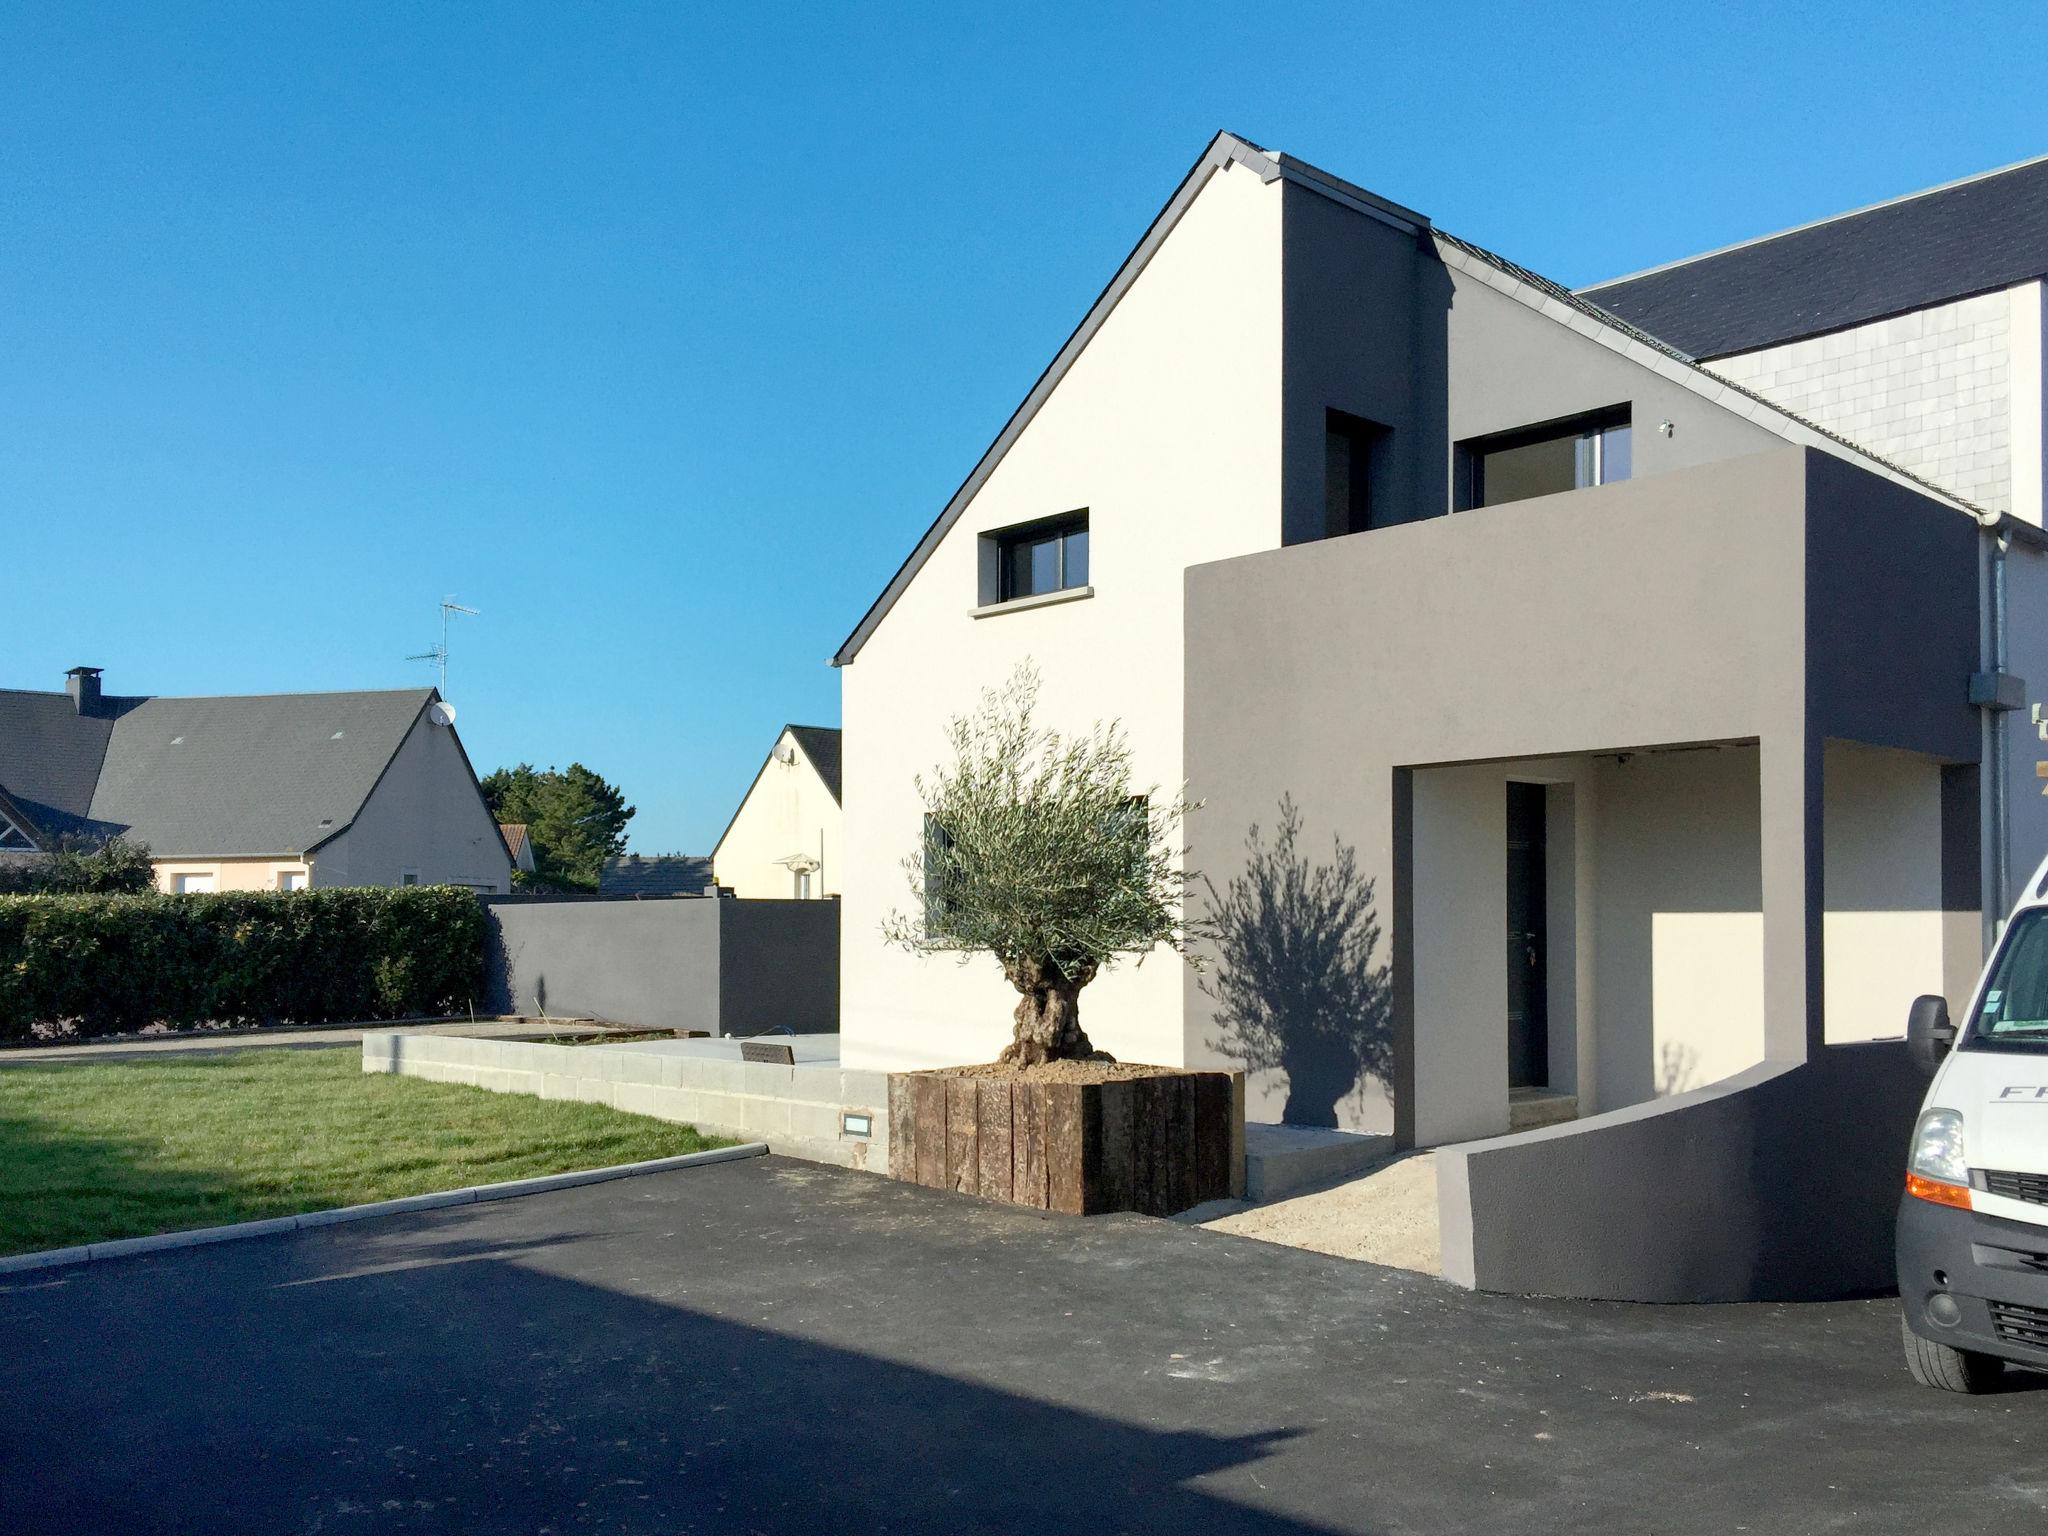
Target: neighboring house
x=655 y=874
x=517 y=845
x=784 y=838
x=1591 y=657
x=258 y=792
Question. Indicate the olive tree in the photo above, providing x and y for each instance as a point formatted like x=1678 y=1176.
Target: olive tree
x=1038 y=851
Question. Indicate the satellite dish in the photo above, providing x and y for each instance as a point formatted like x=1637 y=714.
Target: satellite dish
x=441 y=712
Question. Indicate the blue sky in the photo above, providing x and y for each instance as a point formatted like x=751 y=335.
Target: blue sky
x=660 y=333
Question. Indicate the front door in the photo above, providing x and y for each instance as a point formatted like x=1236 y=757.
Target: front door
x=1528 y=985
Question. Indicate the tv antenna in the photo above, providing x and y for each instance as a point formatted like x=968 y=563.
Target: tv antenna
x=439 y=654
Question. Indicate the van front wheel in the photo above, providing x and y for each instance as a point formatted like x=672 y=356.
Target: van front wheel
x=1949 y=1370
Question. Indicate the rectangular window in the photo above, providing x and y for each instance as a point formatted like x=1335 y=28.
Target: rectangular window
x=1542 y=461
x=938 y=848
x=1352 y=449
x=191 y=885
x=409 y=877
x=291 y=880
x=1045 y=557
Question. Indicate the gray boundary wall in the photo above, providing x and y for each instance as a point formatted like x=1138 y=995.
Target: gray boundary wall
x=798 y=1111
x=717 y=964
x=1780 y=1184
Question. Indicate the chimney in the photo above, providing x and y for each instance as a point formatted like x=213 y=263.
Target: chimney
x=83 y=684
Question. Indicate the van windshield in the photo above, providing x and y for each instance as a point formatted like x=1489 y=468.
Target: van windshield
x=2014 y=1013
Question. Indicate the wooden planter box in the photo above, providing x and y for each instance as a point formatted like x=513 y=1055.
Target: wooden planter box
x=1155 y=1145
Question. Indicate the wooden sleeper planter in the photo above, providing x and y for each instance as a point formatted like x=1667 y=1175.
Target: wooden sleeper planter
x=1154 y=1144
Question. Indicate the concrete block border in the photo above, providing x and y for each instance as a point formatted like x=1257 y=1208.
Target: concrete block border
x=128 y=1247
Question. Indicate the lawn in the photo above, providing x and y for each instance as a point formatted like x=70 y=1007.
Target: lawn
x=90 y=1152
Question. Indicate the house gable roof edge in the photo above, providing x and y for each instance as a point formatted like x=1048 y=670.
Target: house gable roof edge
x=1224 y=150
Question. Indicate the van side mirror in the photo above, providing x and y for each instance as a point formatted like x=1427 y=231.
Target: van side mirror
x=1928 y=1032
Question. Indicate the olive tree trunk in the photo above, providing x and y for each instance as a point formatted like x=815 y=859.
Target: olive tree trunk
x=1048 y=1016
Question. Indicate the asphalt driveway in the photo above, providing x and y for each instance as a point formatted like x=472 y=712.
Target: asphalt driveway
x=772 y=1346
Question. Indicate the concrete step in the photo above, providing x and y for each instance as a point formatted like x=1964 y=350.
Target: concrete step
x=1283 y=1160
x=1530 y=1109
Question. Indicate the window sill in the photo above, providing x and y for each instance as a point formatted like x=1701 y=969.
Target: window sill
x=1036 y=600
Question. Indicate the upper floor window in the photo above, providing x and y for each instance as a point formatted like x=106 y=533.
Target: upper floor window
x=1043 y=557
x=1541 y=461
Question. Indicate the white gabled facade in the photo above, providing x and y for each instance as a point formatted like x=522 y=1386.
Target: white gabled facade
x=785 y=839
x=1166 y=430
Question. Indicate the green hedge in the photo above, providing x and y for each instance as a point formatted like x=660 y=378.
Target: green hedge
x=109 y=964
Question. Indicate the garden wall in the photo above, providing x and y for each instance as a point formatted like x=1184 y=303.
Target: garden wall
x=689 y=962
x=799 y=1110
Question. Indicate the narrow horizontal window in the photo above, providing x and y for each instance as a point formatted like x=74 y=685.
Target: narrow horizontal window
x=1542 y=461
x=1044 y=557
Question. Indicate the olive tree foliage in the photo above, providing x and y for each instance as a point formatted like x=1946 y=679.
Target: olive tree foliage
x=1038 y=851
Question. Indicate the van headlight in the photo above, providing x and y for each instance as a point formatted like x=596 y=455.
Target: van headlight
x=1938 y=1147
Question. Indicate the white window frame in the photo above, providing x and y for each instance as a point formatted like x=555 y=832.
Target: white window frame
x=27 y=844
x=210 y=876
x=302 y=877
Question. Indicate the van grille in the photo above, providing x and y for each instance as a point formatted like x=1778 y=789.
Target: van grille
x=2021 y=1325
x=2032 y=1187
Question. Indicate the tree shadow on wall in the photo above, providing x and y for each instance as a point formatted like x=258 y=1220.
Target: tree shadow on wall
x=1295 y=983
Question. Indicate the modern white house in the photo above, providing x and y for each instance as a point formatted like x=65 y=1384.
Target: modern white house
x=1666 y=740
x=252 y=792
x=784 y=839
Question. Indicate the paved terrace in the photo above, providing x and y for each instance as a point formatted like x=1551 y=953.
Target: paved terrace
x=777 y=1347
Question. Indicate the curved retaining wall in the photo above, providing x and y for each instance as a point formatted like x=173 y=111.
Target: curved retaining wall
x=1778 y=1184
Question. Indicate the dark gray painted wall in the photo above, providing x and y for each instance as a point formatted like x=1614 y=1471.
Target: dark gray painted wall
x=723 y=966
x=1365 y=310
x=778 y=963
x=1891 y=613
x=1777 y=1185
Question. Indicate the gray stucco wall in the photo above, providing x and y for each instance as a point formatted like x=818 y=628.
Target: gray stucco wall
x=1777 y=1185
x=1781 y=599
x=723 y=966
x=1666 y=610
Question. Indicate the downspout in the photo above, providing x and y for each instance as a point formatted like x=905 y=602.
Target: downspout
x=2001 y=789
x=1996 y=693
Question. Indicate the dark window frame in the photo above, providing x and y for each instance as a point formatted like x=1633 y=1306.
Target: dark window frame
x=1062 y=528
x=1469 y=478
x=1365 y=446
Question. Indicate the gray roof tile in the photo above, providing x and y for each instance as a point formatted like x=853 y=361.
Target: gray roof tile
x=1968 y=237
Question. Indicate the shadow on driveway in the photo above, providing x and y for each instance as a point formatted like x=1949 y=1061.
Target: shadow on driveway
x=774 y=1347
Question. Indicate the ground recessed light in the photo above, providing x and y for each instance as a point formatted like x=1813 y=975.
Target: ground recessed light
x=857 y=1125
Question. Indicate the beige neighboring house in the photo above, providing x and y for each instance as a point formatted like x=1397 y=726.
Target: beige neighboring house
x=783 y=841
x=257 y=792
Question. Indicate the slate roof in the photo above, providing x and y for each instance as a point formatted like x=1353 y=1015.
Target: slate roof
x=50 y=755
x=655 y=874
x=1932 y=247
x=258 y=774
x=820 y=744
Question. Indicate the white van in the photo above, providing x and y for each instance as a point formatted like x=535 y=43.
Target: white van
x=1973 y=1224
